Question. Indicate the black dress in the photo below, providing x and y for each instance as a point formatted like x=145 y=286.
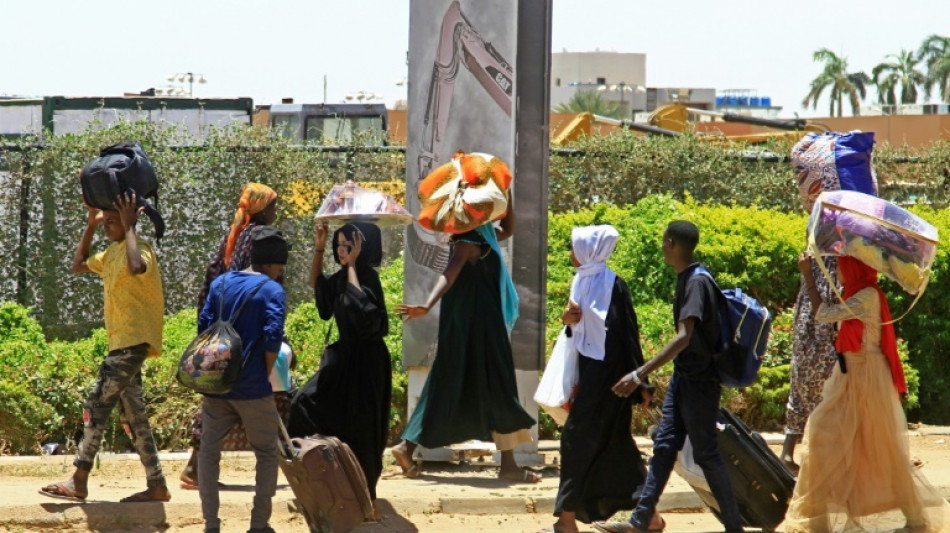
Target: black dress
x=602 y=471
x=349 y=396
x=471 y=391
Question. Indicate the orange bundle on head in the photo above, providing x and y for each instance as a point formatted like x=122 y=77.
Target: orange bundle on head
x=465 y=193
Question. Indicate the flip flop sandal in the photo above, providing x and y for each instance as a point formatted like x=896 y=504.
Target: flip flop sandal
x=412 y=470
x=61 y=492
x=141 y=497
x=527 y=476
x=660 y=529
x=617 y=527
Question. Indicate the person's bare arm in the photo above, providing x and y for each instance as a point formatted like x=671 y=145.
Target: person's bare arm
x=319 y=250
x=507 y=225
x=677 y=344
x=129 y=215
x=463 y=253
x=85 y=242
x=269 y=359
x=814 y=295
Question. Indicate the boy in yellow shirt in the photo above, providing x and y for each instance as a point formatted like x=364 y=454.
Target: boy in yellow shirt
x=134 y=314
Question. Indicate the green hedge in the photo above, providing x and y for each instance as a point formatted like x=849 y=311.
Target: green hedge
x=201 y=180
x=48 y=381
x=623 y=168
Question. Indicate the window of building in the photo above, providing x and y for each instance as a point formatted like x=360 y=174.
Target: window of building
x=601 y=81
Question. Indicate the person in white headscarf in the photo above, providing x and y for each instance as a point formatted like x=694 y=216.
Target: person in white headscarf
x=602 y=471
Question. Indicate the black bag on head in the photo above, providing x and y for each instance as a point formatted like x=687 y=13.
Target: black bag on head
x=122 y=168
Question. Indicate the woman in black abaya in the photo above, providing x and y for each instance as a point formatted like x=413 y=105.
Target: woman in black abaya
x=349 y=396
x=602 y=471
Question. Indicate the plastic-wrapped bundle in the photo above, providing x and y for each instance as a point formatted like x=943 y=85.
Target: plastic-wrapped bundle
x=833 y=161
x=350 y=202
x=885 y=237
x=464 y=193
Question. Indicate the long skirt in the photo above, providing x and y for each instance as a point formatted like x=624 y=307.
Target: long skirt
x=602 y=471
x=856 y=470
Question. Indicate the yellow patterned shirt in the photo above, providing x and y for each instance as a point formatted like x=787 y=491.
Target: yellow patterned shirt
x=135 y=306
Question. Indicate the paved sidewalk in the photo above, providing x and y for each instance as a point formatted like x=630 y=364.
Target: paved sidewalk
x=468 y=489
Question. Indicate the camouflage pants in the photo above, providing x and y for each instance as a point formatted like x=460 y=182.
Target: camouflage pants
x=120 y=384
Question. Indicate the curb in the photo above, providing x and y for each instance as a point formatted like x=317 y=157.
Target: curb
x=116 y=516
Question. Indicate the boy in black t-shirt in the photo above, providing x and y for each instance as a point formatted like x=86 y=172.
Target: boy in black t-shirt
x=691 y=407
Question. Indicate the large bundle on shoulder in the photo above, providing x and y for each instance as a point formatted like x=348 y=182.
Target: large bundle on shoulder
x=833 y=161
x=122 y=168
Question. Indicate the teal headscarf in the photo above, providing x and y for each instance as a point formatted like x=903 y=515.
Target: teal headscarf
x=509 y=296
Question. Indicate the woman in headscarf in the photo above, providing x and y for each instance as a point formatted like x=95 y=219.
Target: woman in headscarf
x=813 y=341
x=349 y=397
x=257 y=207
x=602 y=471
x=471 y=392
x=856 y=472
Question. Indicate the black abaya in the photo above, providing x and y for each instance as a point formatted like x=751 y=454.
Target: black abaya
x=349 y=397
x=602 y=471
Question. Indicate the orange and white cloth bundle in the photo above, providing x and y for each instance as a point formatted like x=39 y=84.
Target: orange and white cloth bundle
x=465 y=193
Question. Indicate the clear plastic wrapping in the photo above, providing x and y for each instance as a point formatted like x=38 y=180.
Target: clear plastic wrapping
x=350 y=203
x=888 y=238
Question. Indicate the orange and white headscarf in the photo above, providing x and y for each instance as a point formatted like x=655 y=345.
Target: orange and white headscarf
x=255 y=197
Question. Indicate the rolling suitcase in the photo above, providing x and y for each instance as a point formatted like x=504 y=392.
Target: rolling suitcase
x=327 y=481
x=763 y=485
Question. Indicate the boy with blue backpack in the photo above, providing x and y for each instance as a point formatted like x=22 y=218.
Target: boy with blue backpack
x=691 y=407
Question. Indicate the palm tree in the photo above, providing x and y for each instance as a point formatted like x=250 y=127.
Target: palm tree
x=839 y=81
x=901 y=72
x=935 y=53
x=591 y=102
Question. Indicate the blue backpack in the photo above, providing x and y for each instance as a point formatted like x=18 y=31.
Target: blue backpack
x=745 y=326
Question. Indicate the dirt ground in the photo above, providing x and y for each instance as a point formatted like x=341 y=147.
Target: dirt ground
x=447 y=498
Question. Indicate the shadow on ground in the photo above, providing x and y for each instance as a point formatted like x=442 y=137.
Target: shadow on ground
x=112 y=516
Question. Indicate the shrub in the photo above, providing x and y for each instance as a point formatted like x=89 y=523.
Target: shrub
x=21 y=413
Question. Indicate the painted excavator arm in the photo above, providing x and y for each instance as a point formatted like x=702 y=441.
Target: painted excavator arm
x=460 y=45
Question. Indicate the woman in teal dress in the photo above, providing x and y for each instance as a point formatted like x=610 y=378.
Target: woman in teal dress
x=471 y=392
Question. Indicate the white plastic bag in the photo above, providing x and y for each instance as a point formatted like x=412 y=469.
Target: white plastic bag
x=556 y=389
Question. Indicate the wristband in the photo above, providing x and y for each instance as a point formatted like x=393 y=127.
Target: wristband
x=636 y=377
x=319 y=250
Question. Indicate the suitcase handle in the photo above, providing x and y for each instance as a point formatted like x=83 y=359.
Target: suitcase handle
x=288 y=445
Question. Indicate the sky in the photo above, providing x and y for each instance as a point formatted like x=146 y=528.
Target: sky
x=285 y=48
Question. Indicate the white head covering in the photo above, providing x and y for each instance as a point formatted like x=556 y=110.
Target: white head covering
x=592 y=287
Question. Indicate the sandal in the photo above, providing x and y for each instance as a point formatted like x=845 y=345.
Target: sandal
x=410 y=468
x=617 y=527
x=658 y=529
x=62 y=491
x=144 y=496
x=526 y=476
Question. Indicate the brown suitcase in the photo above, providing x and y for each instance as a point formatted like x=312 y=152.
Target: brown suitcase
x=327 y=481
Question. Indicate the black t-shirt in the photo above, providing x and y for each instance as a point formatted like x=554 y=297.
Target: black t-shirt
x=697 y=297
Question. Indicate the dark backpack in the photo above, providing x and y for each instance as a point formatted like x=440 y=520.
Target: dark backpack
x=213 y=361
x=120 y=169
x=744 y=335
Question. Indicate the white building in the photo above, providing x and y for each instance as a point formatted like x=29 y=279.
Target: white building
x=619 y=77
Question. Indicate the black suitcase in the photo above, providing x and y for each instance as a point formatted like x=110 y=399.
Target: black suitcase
x=763 y=485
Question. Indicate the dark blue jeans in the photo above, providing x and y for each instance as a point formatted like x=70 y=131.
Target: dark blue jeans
x=690 y=408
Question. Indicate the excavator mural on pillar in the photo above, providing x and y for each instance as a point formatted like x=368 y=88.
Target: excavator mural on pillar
x=460 y=45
